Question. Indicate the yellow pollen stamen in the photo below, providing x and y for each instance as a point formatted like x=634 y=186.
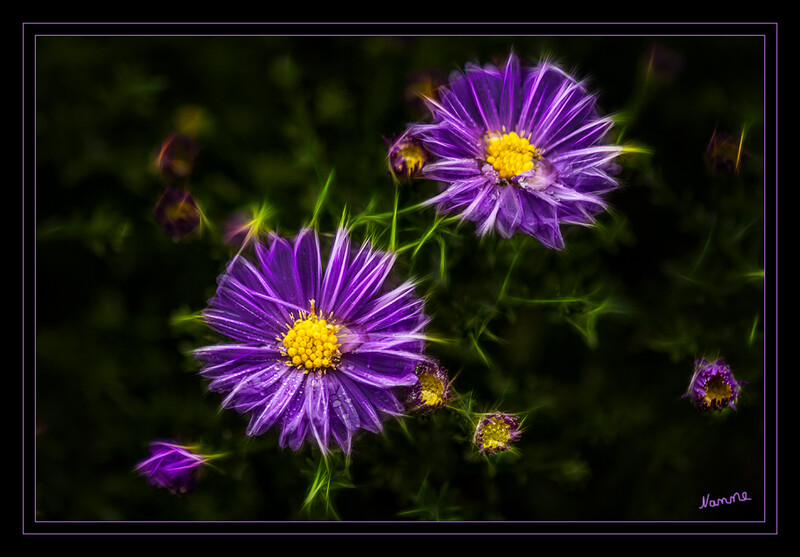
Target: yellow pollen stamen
x=496 y=434
x=413 y=157
x=311 y=344
x=716 y=390
x=432 y=389
x=510 y=154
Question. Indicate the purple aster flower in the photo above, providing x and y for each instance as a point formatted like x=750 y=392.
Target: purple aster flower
x=713 y=386
x=432 y=389
x=406 y=155
x=496 y=431
x=172 y=466
x=519 y=149
x=317 y=353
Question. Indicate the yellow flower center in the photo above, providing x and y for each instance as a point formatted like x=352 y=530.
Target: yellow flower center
x=311 y=344
x=510 y=154
x=413 y=156
x=432 y=389
x=717 y=390
x=496 y=435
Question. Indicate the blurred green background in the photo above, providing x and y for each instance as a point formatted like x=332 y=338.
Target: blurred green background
x=674 y=272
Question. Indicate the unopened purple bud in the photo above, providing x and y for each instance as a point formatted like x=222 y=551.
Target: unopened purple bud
x=171 y=466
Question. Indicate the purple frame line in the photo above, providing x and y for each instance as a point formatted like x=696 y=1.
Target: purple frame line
x=764 y=438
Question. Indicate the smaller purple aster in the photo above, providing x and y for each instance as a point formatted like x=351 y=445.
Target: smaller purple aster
x=713 y=386
x=406 y=156
x=432 y=389
x=496 y=431
x=172 y=466
x=177 y=213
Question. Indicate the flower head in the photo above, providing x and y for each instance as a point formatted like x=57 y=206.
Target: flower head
x=518 y=149
x=172 y=466
x=317 y=353
x=177 y=213
x=496 y=431
x=713 y=386
x=407 y=156
x=432 y=389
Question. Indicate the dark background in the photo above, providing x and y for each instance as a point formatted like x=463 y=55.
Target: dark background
x=674 y=272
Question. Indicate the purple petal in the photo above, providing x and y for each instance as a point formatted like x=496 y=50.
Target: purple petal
x=383 y=370
x=274 y=406
x=279 y=269
x=390 y=308
x=230 y=324
x=510 y=96
x=316 y=409
x=367 y=274
x=244 y=297
x=235 y=353
x=541 y=220
x=477 y=89
x=510 y=213
x=368 y=416
x=344 y=414
x=251 y=386
x=308 y=264
x=335 y=272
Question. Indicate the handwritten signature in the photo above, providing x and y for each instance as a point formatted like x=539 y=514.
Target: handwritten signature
x=736 y=497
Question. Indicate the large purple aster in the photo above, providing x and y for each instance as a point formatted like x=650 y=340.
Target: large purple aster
x=519 y=149
x=317 y=353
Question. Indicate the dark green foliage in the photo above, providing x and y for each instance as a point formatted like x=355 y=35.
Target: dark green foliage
x=594 y=345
